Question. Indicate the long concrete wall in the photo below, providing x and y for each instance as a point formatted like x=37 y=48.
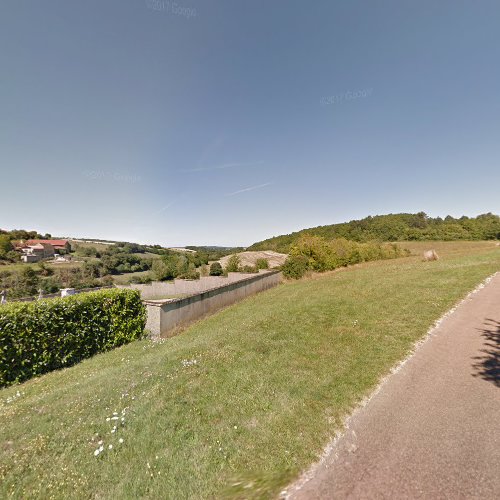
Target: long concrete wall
x=158 y=289
x=167 y=315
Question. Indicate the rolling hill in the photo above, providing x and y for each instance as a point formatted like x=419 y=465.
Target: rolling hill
x=395 y=227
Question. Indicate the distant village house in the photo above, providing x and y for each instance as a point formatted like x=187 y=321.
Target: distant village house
x=60 y=246
x=36 y=250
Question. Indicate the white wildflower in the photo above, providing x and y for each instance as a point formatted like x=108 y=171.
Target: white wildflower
x=189 y=362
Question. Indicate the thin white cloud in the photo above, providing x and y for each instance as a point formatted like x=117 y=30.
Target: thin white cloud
x=222 y=167
x=251 y=188
x=166 y=207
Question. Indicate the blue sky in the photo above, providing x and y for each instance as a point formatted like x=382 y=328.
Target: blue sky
x=226 y=122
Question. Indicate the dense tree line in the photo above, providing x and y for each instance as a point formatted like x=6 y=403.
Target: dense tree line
x=22 y=234
x=33 y=278
x=214 y=253
x=7 y=252
x=179 y=265
x=395 y=227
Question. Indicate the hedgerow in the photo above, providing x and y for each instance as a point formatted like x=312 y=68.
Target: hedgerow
x=37 y=337
x=313 y=253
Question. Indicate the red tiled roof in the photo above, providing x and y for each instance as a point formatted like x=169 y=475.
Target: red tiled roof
x=54 y=243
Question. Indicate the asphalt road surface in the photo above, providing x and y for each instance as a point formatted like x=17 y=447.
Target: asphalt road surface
x=433 y=430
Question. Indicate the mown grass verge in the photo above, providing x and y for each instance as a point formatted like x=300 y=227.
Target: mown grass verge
x=273 y=379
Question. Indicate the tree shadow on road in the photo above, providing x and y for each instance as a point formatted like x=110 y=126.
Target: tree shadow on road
x=487 y=365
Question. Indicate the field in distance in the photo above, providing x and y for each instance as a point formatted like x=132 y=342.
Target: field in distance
x=248 y=258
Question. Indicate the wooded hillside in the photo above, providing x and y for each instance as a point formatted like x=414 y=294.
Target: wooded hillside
x=395 y=227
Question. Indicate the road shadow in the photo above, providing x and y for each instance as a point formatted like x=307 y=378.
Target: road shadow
x=487 y=365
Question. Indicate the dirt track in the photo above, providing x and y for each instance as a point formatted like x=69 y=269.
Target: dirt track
x=433 y=430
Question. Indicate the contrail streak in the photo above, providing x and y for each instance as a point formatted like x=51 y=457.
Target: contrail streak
x=251 y=188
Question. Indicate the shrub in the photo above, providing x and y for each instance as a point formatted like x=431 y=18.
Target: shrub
x=50 y=285
x=85 y=251
x=295 y=266
x=37 y=337
x=92 y=269
x=26 y=282
x=141 y=280
x=191 y=273
x=5 y=246
x=44 y=270
x=163 y=270
x=181 y=265
x=107 y=280
x=216 y=269
x=233 y=264
x=262 y=264
x=13 y=256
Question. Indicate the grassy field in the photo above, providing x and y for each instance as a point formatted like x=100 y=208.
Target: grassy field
x=239 y=403
x=14 y=267
x=150 y=255
x=449 y=248
x=83 y=244
x=20 y=266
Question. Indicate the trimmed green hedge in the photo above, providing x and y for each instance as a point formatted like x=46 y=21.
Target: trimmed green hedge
x=37 y=337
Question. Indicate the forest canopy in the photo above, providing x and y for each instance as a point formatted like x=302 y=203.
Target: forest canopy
x=395 y=227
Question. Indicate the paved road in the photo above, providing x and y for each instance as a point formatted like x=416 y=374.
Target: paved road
x=433 y=431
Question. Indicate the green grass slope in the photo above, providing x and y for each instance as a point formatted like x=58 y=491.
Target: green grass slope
x=239 y=403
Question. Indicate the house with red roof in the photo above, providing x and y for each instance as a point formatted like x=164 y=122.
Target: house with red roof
x=36 y=250
x=62 y=246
